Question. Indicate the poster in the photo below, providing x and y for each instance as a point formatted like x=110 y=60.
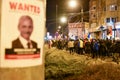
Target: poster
x=22 y=32
x=109 y=32
x=76 y=30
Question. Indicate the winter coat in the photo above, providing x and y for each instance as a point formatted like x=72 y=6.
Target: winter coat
x=70 y=44
x=96 y=46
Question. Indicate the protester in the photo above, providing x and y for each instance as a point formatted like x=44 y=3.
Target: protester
x=94 y=47
x=71 y=46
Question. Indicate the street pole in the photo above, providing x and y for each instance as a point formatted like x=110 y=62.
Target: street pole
x=56 y=15
x=82 y=22
x=62 y=32
x=114 y=30
x=77 y=32
x=20 y=63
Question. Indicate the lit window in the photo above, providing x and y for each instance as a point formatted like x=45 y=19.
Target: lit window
x=111 y=19
x=107 y=20
x=113 y=7
x=114 y=19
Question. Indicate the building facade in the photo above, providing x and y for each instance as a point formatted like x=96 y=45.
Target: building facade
x=104 y=18
x=78 y=30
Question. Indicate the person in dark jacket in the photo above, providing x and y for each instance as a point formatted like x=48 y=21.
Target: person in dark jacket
x=102 y=49
x=87 y=47
x=95 y=48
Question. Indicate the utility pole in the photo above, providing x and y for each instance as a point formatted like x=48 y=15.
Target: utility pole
x=83 y=27
x=20 y=63
x=56 y=16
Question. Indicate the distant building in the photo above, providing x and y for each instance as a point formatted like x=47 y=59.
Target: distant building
x=78 y=30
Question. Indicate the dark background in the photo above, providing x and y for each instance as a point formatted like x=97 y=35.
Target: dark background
x=63 y=9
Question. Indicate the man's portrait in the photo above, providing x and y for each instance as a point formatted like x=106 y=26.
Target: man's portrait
x=25 y=27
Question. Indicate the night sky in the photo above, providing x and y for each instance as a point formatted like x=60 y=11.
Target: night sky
x=62 y=10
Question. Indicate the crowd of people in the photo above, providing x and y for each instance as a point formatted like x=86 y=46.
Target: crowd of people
x=93 y=47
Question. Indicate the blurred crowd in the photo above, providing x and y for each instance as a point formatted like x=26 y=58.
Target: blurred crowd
x=95 y=48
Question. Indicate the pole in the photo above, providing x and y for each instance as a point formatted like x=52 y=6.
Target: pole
x=77 y=31
x=82 y=22
x=62 y=32
x=56 y=16
x=30 y=66
x=114 y=30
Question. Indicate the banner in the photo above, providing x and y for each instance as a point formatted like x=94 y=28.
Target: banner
x=22 y=32
x=76 y=30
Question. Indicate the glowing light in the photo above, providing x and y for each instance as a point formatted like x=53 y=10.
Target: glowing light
x=63 y=19
x=72 y=3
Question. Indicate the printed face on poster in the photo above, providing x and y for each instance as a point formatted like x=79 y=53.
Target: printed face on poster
x=22 y=32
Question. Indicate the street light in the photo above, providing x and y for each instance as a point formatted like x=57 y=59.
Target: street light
x=59 y=27
x=72 y=3
x=63 y=19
